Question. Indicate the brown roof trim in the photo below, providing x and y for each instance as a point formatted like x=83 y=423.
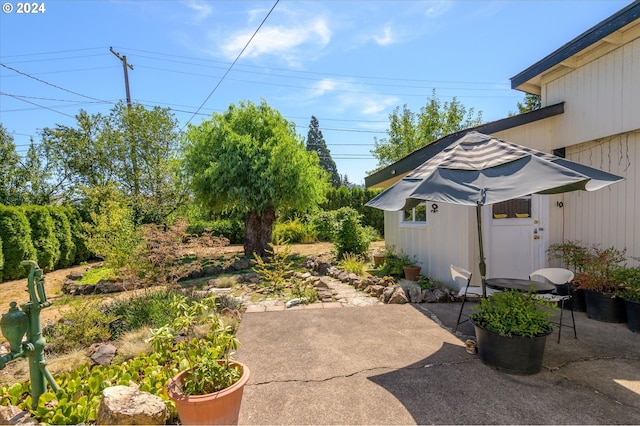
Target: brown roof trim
x=419 y=156
x=613 y=23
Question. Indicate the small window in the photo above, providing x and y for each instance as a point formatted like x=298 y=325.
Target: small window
x=519 y=208
x=416 y=215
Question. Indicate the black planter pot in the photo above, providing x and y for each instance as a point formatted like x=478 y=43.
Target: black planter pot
x=514 y=355
x=633 y=315
x=577 y=297
x=605 y=307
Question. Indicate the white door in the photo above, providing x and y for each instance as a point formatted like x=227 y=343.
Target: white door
x=516 y=241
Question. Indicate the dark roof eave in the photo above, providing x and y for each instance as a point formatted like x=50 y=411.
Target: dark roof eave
x=419 y=156
x=613 y=23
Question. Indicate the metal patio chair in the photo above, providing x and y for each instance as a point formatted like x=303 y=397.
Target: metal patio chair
x=559 y=277
x=458 y=272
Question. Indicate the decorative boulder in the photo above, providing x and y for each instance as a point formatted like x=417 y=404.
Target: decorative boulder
x=128 y=405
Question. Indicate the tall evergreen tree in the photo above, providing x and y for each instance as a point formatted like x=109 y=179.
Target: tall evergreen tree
x=316 y=143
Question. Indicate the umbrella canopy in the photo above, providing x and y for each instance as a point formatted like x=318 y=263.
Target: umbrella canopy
x=478 y=170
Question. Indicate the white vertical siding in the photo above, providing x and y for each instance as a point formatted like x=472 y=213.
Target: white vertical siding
x=601 y=98
x=608 y=217
x=448 y=238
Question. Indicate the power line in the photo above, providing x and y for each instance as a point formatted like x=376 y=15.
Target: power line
x=33 y=103
x=234 y=62
x=51 y=84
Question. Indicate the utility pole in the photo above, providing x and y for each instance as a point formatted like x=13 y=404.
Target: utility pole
x=125 y=65
x=133 y=149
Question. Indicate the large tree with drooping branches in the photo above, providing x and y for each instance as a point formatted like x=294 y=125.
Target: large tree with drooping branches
x=250 y=161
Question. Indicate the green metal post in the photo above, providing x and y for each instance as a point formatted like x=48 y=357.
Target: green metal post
x=15 y=324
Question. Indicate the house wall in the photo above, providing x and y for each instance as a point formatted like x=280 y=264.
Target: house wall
x=437 y=244
x=600 y=128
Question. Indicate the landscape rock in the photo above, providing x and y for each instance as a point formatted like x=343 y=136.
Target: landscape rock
x=75 y=276
x=436 y=295
x=398 y=297
x=127 y=405
x=104 y=354
x=414 y=294
x=387 y=293
x=108 y=286
x=240 y=264
x=12 y=415
x=374 y=290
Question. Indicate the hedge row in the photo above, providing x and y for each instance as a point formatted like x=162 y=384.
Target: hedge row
x=50 y=235
x=356 y=199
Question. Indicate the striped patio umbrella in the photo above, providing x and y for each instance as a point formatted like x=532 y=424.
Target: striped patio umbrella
x=478 y=170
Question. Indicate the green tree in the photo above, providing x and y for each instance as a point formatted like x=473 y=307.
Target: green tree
x=133 y=148
x=409 y=131
x=529 y=103
x=316 y=143
x=35 y=177
x=15 y=233
x=249 y=160
x=10 y=181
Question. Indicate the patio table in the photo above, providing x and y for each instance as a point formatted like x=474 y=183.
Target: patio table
x=519 y=284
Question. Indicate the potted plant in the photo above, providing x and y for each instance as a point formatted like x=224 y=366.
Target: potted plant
x=209 y=387
x=600 y=282
x=572 y=255
x=630 y=293
x=397 y=265
x=511 y=330
x=378 y=258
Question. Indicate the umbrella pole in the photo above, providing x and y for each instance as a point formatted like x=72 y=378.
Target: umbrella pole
x=483 y=265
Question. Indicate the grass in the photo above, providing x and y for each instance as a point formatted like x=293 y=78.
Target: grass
x=95 y=275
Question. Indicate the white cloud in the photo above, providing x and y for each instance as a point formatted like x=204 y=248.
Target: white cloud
x=386 y=39
x=202 y=9
x=279 y=40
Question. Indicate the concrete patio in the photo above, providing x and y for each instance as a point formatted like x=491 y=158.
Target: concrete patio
x=401 y=364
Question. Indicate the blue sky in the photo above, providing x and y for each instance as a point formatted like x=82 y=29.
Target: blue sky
x=349 y=63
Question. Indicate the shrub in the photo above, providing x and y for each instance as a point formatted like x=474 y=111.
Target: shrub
x=356 y=198
x=228 y=228
x=514 y=313
x=393 y=263
x=78 y=235
x=294 y=231
x=43 y=236
x=353 y=264
x=83 y=325
x=113 y=235
x=1 y=260
x=151 y=310
x=62 y=229
x=15 y=234
x=325 y=224
x=273 y=271
x=350 y=236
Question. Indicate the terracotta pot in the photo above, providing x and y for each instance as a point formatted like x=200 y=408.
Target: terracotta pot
x=377 y=260
x=411 y=272
x=218 y=408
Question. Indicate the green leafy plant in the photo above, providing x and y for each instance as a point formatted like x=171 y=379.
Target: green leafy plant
x=353 y=263
x=572 y=255
x=305 y=292
x=83 y=324
x=294 y=231
x=274 y=269
x=629 y=279
x=514 y=313
x=208 y=356
x=350 y=236
x=393 y=263
x=600 y=268
x=78 y=399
